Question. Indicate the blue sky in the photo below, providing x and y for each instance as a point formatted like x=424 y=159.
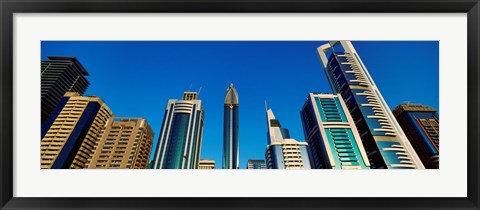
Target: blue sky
x=136 y=79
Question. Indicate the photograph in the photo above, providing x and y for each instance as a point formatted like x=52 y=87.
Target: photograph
x=341 y=104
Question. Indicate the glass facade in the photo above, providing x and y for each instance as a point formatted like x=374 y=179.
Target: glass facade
x=178 y=138
x=231 y=138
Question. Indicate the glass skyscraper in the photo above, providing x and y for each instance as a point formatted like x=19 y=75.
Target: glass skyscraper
x=384 y=140
x=230 y=130
x=421 y=125
x=332 y=137
x=180 y=137
x=283 y=152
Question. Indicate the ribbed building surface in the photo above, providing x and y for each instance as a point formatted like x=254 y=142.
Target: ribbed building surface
x=58 y=76
x=70 y=135
x=421 y=124
x=283 y=152
x=385 y=143
x=180 y=138
x=206 y=164
x=231 y=153
x=125 y=143
x=329 y=129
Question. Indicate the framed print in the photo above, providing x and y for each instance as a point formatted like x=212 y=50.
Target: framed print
x=337 y=96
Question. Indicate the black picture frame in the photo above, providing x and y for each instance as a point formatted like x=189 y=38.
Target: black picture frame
x=10 y=7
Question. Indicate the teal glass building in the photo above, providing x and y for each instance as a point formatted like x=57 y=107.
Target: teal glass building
x=180 y=137
x=231 y=154
x=331 y=134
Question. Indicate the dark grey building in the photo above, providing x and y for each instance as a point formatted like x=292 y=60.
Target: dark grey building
x=60 y=74
x=256 y=164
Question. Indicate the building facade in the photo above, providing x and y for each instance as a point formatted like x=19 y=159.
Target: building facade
x=384 y=141
x=70 y=135
x=206 y=164
x=283 y=152
x=256 y=164
x=421 y=125
x=58 y=76
x=124 y=143
x=231 y=158
x=331 y=134
x=180 y=138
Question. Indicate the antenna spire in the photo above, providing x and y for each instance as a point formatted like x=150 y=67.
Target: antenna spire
x=266 y=107
x=189 y=87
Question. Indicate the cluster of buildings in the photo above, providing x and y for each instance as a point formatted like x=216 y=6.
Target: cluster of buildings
x=350 y=128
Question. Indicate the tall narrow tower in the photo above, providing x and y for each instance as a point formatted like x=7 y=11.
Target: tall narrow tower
x=383 y=138
x=180 y=138
x=230 y=130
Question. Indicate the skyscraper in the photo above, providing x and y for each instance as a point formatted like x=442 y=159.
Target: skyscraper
x=69 y=136
x=206 y=164
x=331 y=134
x=283 y=152
x=384 y=141
x=421 y=125
x=58 y=76
x=230 y=129
x=124 y=143
x=256 y=164
x=180 y=137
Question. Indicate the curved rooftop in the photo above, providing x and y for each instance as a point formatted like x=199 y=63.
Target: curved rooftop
x=231 y=97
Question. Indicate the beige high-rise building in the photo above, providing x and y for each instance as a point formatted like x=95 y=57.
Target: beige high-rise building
x=69 y=139
x=124 y=143
x=206 y=164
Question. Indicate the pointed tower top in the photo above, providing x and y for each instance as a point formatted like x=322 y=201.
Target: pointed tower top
x=231 y=97
x=270 y=115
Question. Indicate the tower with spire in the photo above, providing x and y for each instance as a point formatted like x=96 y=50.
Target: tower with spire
x=282 y=151
x=231 y=158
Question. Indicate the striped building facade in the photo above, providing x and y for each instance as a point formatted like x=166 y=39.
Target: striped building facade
x=124 y=143
x=71 y=133
x=58 y=76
